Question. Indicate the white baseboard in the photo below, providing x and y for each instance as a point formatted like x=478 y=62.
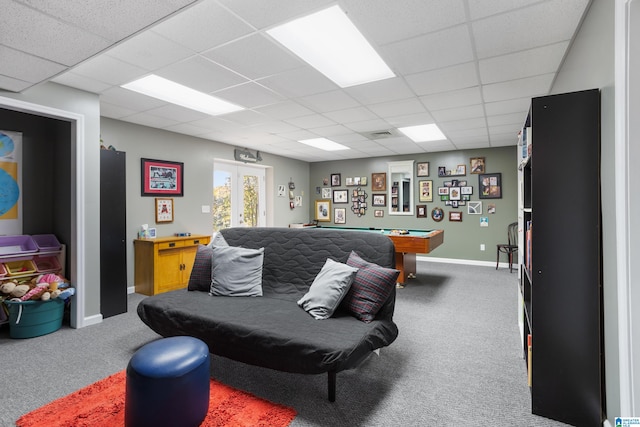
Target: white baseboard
x=422 y=258
x=92 y=320
x=131 y=290
x=606 y=423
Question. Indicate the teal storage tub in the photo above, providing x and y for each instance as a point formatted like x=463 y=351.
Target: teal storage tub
x=28 y=319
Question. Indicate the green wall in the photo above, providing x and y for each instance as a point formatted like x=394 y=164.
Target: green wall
x=462 y=240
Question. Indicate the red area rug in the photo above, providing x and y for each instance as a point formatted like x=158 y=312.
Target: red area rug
x=102 y=404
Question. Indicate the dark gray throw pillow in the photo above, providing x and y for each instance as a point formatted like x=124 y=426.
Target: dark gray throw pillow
x=236 y=271
x=200 y=278
x=328 y=289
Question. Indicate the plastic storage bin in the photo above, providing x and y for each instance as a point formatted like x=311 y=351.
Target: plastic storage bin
x=16 y=245
x=46 y=264
x=15 y=268
x=28 y=319
x=46 y=242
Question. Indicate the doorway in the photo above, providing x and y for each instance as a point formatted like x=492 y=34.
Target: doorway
x=239 y=195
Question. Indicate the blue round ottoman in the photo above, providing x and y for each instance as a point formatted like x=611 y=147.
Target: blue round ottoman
x=168 y=383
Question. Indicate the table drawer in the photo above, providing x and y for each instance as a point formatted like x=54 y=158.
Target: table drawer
x=171 y=244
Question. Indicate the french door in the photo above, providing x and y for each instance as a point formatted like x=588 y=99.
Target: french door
x=238 y=196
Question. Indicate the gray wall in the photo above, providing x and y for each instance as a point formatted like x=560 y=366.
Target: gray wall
x=461 y=239
x=590 y=64
x=198 y=156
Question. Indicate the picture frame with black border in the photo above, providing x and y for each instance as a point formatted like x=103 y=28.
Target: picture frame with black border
x=454 y=193
x=490 y=185
x=340 y=196
x=421 y=211
x=455 y=216
x=336 y=180
x=379 y=200
x=326 y=192
x=443 y=191
x=339 y=216
x=422 y=169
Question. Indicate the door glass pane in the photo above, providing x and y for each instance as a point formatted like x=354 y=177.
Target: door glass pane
x=251 y=191
x=221 y=200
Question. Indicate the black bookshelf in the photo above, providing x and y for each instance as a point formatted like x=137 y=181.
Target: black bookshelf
x=562 y=289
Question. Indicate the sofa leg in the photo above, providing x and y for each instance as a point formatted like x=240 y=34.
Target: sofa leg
x=332 y=386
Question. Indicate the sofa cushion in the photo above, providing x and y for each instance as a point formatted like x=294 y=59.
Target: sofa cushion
x=370 y=289
x=328 y=289
x=236 y=271
x=218 y=240
x=200 y=279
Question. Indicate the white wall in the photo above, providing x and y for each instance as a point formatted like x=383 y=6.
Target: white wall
x=590 y=64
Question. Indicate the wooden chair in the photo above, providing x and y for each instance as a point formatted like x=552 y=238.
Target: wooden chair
x=508 y=248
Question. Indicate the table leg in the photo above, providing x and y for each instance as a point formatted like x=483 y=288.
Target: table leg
x=406 y=264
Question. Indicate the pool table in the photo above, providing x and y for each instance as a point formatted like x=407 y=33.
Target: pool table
x=407 y=246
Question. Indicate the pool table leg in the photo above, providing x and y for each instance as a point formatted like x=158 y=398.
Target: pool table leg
x=406 y=263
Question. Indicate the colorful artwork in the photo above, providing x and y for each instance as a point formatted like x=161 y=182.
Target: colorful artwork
x=10 y=182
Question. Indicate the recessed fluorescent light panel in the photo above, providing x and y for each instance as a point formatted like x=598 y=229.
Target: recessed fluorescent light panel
x=175 y=93
x=330 y=43
x=423 y=133
x=324 y=144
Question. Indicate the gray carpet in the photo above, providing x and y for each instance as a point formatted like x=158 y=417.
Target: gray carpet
x=457 y=361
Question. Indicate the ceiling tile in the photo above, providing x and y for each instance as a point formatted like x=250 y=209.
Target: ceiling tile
x=380 y=91
x=254 y=57
x=114 y=111
x=410 y=120
x=262 y=14
x=110 y=70
x=113 y=20
x=368 y=125
x=330 y=131
x=30 y=68
x=203 y=26
x=511 y=105
x=177 y=113
x=398 y=108
x=436 y=50
x=149 y=120
x=81 y=82
x=474 y=123
x=312 y=121
x=328 y=101
x=460 y=113
x=479 y=9
x=299 y=82
x=350 y=115
x=275 y=127
x=529 y=87
x=54 y=40
x=445 y=79
x=284 y=110
x=383 y=22
x=541 y=60
x=506 y=119
x=246 y=117
x=249 y=95
x=201 y=74
x=435 y=146
x=555 y=21
x=457 y=98
x=136 y=51
x=187 y=128
x=132 y=100
x=13 y=85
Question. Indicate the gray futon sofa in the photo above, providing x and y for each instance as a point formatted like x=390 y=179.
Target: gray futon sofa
x=271 y=330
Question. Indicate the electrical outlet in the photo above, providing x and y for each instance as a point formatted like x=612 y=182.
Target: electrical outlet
x=482 y=246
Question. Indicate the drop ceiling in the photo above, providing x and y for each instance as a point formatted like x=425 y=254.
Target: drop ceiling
x=470 y=66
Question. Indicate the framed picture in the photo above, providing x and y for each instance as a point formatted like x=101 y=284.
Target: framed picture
x=161 y=178
x=443 y=191
x=164 y=209
x=335 y=180
x=379 y=200
x=363 y=180
x=454 y=193
x=378 y=213
x=349 y=181
x=477 y=164
x=426 y=190
x=474 y=208
x=421 y=211
x=490 y=185
x=442 y=171
x=455 y=216
x=340 y=196
x=437 y=214
x=467 y=189
x=379 y=181
x=323 y=210
x=461 y=170
x=339 y=216
x=423 y=169
x=326 y=192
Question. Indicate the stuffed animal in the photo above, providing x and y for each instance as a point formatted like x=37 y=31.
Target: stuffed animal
x=8 y=287
x=19 y=291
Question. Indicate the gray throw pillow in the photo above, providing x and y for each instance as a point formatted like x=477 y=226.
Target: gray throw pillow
x=328 y=289
x=236 y=271
x=218 y=240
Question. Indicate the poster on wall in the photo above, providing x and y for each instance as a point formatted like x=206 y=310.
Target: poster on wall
x=10 y=182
